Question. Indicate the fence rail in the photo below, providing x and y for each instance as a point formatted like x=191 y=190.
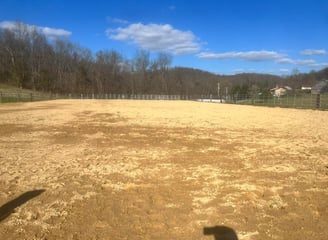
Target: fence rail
x=306 y=101
x=6 y=97
x=129 y=96
x=309 y=101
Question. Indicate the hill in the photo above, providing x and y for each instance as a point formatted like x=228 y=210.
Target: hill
x=201 y=82
x=30 y=61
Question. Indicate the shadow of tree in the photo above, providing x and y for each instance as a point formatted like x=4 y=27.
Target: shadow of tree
x=9 y=207
x=221 y=233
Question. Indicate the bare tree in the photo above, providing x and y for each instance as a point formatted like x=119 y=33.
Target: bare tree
x=141 y=66
x=29 y=59
x=108 y=67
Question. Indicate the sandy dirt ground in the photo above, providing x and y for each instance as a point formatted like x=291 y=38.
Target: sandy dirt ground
x=93 y=169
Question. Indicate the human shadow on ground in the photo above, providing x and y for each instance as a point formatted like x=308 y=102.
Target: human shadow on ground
x=9 y=207
x=221 y=233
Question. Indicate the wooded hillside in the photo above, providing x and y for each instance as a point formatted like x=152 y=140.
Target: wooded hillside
x=29 y=60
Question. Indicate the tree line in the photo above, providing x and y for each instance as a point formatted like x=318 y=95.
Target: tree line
x=28 y=59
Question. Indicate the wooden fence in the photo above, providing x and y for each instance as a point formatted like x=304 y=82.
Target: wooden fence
x=307 y=101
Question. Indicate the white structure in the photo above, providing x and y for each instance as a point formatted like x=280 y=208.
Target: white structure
x=280 y=91
x=306 y=88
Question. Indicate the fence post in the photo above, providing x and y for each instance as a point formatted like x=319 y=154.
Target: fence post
x=0 y=97
x=31 y=97
x=318 y=101
x=294 y=100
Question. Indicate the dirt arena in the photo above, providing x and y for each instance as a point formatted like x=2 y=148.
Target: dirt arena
x=93 y=169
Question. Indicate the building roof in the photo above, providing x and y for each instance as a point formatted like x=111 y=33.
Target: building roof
x=279 y=87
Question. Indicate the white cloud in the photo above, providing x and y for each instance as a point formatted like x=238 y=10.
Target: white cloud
x=285 y=61
x=55 y=32
x=321 y=65
x=247 y=56
x=310 y=52
x=300 y=62
x=117 y=20
x=305 y=62
x=242 y=70
x=49 y=32
x=284 y=71
x=157 y=37
x=261 y=71
x=263 y=55
x=238 y=71
x=309 y=62
x=7 y=25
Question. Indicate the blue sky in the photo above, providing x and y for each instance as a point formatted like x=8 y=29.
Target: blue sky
x=220 y=36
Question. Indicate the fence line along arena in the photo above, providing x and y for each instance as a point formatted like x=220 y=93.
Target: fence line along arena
x=129 y=169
